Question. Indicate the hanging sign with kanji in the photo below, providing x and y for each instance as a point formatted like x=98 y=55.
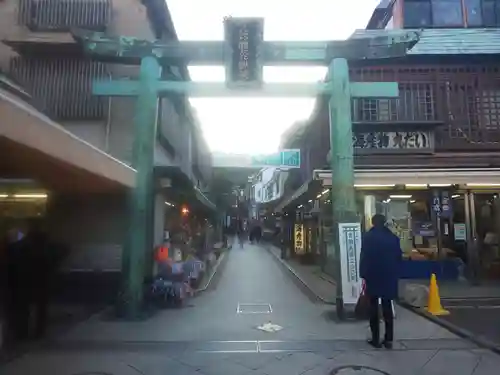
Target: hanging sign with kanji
x=298 y=235
x=243 y=38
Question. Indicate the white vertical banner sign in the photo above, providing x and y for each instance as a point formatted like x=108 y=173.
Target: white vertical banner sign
x=350 y=252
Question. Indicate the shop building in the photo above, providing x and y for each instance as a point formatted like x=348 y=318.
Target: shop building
x=76 y=148
x=428 y=160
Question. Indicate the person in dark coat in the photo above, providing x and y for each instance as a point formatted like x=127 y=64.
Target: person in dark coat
x=380 y=263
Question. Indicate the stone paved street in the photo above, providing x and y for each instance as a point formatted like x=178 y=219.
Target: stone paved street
x=217 y=334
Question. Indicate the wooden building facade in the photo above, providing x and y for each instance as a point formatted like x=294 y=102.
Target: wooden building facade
x=437 y=144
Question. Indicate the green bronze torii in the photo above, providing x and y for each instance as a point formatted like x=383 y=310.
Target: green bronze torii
x=244 y=53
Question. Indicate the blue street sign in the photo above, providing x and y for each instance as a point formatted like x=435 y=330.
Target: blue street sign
x=283 y=159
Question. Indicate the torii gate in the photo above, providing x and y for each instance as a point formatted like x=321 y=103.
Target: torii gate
x=244 y=53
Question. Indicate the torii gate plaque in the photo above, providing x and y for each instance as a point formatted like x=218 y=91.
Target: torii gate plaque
x=244 y=53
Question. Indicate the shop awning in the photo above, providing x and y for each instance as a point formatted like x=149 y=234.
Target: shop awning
x=33 y=146
x=454 y=176
x=307 y=191
x=181 y=187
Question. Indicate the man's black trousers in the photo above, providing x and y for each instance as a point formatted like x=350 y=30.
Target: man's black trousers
x=375 y=319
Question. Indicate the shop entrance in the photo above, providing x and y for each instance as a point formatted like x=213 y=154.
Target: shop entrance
x=20 y=202
x=486 y=221
x=461 y=241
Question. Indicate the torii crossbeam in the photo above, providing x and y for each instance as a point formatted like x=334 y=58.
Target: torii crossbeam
x=244 y=53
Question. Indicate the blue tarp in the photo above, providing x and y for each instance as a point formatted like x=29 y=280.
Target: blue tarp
x=423 y=269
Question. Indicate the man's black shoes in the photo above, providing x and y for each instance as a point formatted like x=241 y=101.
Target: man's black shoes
x=378 y=345
x=375 y=344
x=387 y=344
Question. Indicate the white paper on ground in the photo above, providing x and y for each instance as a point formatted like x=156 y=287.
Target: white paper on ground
x=270 y=327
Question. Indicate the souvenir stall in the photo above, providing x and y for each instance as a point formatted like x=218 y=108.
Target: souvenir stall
x=423 y=221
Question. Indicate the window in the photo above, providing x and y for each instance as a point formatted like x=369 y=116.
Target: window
x=417 y=13
x=447 y=13
x=451 y=13
x=473 y=13
x=488 y=110
x=491 y=13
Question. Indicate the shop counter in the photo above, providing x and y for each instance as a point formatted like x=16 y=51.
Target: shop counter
x=447 y=269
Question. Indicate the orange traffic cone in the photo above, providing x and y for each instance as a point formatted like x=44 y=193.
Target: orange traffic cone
x=434 y=306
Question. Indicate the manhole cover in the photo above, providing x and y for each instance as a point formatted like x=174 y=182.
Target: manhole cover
x=357 y=370
x=254 y=308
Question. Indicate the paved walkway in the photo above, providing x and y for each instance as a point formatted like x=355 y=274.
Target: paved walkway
x=322 y=285
x=218 y=335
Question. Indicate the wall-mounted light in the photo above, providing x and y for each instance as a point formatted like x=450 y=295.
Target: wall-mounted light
x=482 y=185
x=30 y=196
x=455 y=196
x=416 y=185
x=374 y=185
x=169 y=204
x=412 y=201
x=300 y=206
x=400 y=196
x=309 y=201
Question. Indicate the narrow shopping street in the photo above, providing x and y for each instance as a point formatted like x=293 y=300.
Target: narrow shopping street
x=217 y=334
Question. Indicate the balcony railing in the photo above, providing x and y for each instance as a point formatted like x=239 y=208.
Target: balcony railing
x=462 y=101
x=61 y=88
x=62 y=15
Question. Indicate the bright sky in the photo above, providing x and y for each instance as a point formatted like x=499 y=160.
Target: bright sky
x=254 y=125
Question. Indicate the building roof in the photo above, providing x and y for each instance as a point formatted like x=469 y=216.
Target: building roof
x=446 y=41
x=433 y=42
x=294 y=132
x=381 y=15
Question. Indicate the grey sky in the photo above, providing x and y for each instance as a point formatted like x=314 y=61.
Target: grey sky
x=254 y=126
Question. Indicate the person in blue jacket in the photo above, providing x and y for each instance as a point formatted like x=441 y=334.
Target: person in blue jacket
x=380 y=263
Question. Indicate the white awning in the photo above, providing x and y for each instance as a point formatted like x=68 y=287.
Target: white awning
x=454 y=176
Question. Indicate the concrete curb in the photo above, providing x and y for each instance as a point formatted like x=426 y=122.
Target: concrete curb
x=216 y=267
x=302 y=284
x=453 y=328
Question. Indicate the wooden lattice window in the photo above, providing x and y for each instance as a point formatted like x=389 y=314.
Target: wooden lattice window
x=487 y=105
x=62 y=88
x=415 y=104
x=62 y=15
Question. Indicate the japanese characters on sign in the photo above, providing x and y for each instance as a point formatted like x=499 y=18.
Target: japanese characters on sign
x=446 y=205
x=298 y=235
x=350 y=250
x=244 y=38
x=405 y=140
x=436 y=202
x=442 y=204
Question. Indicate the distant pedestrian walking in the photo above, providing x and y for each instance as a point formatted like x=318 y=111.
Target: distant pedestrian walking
x=240 y=231
x=380 y=263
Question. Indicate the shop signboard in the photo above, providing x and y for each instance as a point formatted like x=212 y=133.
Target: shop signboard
x=460 y=232
x=446 y=207
x=350 y=252
x=442 y=204
x=395 y=141
x=423 y=229
x=298 y=235
x=436 y=203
